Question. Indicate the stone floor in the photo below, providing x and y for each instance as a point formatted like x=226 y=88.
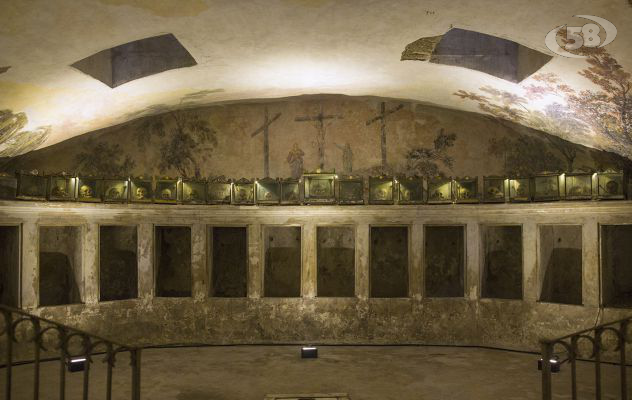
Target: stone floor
x=362 y=372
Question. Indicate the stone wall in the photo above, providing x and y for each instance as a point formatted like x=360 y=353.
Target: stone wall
x=417 y=318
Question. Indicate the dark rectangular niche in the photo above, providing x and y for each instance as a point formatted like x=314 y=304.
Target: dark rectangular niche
x=9 y=265
x=229 y=261
x=561 y=264
x=60 y=268
x=502 y=267
x=444 y=261
x=389 y=261
x=118 y=263
x=173 y=261
x=335 y=259
x=282 y=277
x=616 y=265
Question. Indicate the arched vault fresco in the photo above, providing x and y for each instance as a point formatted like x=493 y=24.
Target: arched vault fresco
x=273 y=49
x=332 y=132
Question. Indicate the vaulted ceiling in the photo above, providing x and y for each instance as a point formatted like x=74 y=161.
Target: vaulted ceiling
x=257 y=49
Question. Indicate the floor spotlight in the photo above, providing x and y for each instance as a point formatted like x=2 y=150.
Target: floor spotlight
x=77 y=364
x=309 y=352
x=555 y=365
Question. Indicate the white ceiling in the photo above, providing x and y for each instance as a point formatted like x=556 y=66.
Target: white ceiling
x=266 y=49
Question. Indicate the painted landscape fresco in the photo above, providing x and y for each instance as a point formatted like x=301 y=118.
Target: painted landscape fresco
x=351 y=135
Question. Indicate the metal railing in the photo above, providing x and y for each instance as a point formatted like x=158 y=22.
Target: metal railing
x=21 y=328
x=594 y=339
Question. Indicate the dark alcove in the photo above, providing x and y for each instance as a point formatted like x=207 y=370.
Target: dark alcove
x=616 y=265
x=229 y=261
x=9 y=265
x=389 y=261
x=60 y=265
x=335 y=258
x=282 y=277
x=444 y=261
x=118 y=263
x=561 y=264
x=173 y=261
x=502 y=267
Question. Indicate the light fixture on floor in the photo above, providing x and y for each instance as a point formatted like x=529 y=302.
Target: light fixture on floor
x=555 y=364
x=77 y=364
x=309 y=352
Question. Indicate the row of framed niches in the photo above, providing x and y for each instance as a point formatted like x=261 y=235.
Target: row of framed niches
x=317 y=188
x=559 y=262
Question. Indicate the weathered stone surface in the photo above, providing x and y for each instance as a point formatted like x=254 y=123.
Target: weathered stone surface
x=511 y=324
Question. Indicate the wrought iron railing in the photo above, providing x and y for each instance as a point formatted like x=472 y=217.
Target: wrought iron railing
x=18 y=328
x=588 y=345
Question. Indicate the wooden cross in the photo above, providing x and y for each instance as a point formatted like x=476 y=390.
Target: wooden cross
x=320 y=126
x=382 y=118
x=266 y=142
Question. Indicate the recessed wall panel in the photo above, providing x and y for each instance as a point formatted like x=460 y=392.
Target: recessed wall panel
x=173 y=261
x=229 y=261
x=389 y=261
x=444 y=253
x=118 y=263
x=560 y=263
x=616 y=265
x=282 y=276
x=502 y=262
x=9 y=265
x=60 y=265
x=335 y=260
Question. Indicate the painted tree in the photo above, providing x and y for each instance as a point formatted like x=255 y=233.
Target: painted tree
x=524 y=156
x=104 y=159
x=609 y=109
x=423 y=161
x=190 y=140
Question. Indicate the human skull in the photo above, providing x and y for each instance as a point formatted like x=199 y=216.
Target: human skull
x=85 y=191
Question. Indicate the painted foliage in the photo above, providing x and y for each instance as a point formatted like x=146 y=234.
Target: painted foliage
x=604 y=112
x=226 y=140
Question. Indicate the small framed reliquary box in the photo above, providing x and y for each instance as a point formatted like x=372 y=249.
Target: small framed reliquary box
x=290 y=191
x=440 y=190
x=410 y=190
x=31 y=186
x=8 y=186
x=546 y=187
x=319 y=188
x=193 y=191
x=610 y=185
x=218 y=191
x=244 y=192
x=62 y=187
x=466 y=190
x=351 y=190
x=578 y=186
x=381 y=190
x=519 y=190
x=494 y=189
x=268 y=191
x=115 y=190
x=141 y=190
x=166 y=191
x=88 y=189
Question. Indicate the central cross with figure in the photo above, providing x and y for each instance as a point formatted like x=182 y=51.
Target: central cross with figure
x=382 y=118
x=266 y=141
x=320 y=126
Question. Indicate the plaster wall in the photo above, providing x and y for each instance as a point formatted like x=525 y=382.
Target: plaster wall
x=466 y=320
